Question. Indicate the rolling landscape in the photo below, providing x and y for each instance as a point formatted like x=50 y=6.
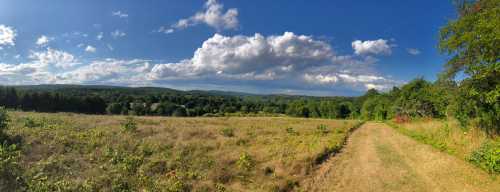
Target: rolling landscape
x=399 y=101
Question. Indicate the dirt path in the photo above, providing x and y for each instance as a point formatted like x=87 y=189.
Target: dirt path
x=377 y=158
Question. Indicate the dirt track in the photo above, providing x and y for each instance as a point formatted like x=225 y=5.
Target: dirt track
x=377 y=158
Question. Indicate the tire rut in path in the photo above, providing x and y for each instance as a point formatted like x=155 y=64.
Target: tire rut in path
x=377 y=158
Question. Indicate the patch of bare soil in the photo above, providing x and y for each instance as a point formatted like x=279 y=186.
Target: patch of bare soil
x=377 y=158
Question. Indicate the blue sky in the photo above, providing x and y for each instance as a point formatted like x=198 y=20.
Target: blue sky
x=321 y=47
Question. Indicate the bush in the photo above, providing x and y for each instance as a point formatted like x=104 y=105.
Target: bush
x=487 y=156
x=4 y=120
x=129 y=124
x=227 y=132
x=30 y=122
x=10 y=171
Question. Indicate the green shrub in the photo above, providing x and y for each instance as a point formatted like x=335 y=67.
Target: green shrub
x=487 y=156
x=29 y=122
x=245 y=162
x=129 y=124
x=4 y=121
x=227 y=132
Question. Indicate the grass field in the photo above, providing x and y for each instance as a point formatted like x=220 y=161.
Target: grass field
x=71 y=152
x=469 y=144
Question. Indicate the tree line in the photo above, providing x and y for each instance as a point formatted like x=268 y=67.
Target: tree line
x=167 y=102
x=472 y=42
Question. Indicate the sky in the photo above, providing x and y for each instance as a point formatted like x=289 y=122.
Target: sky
x=321 y=47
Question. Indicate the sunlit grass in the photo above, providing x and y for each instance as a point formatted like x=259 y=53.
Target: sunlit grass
x=86 y=152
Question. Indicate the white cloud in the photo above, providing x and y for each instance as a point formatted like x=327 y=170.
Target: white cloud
x=413 y=51
x=100 y=36
x=43 y=41
x=277 y=62
x=380 y=46
x=7 y=35
x=213 y=15
x=57 y=58
x=109 y=71
x=320 y=79
x=119 y=14
x=117 y=34
x=250 y=55
x=288 y=58
x=165 y=30
x=90 y=49
x=363 y=81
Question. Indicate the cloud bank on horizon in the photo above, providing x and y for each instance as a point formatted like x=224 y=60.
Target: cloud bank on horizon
x=282 y=63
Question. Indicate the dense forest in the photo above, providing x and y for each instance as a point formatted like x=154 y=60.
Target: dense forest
x=168 y=102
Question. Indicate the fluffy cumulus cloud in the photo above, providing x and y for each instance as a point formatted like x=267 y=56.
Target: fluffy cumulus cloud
x=295 y=60
x=7 y=36
x=41 y=68
x=213 y=15
x=57 y=58
x=249 y=56
x=375 y=47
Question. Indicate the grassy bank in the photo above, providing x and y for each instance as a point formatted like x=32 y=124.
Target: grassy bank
x=472 y=144
x=71 y=152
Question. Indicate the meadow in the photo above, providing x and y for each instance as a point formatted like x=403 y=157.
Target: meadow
x=74 y=152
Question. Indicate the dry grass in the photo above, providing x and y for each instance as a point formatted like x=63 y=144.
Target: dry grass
x=457 y=141
x=86 y=152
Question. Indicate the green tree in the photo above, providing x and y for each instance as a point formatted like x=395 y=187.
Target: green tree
x=473 y=42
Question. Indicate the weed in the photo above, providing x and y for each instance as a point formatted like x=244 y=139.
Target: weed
x=129 y=124
x=487 y=156
x=29 y=122
x=291 y=131
x=322 y=129
x=245 y=162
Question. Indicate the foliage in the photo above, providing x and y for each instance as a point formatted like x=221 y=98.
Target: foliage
x=168 y=102
x=245 y=162
x=10 y=170
x=416 y=99
x=487 y=156
x=129 y=124
x=473 y=42
x=4 y=121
